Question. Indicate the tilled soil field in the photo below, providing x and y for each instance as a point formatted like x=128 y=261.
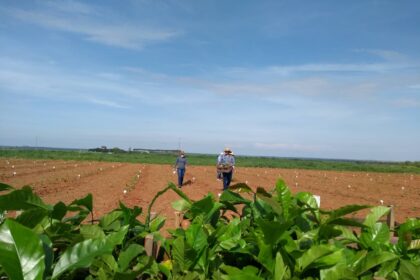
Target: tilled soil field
x=68 y=180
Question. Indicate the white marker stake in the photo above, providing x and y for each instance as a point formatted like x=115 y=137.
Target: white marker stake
x=318 y=200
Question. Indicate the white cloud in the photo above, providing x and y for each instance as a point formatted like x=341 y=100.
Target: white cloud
x=107 y=103
x=103 y=29
x=408 y=103
x=287 y=71
x=288 y=147
x=69 y=6
x=388 y=55
x=40 y=79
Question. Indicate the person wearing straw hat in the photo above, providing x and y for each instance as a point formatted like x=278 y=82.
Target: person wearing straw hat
x=180 y=166
x=225 y=165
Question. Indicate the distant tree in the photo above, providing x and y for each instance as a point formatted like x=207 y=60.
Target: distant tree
x=117 y=150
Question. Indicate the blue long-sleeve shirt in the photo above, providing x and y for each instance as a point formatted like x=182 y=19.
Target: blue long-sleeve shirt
x=226 y=159
x=181 y=163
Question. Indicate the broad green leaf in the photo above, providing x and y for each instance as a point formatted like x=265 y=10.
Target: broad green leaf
x=241 y=188
x=117 y=238
x=178 y=254
x=213 y=215
x=181 y=205
x=48 y=252
x=87 y=202
x=102 y=275
x=91 y=232
x=78 y=218
x=346 y=222
x=312 y=255
x=203 y=206
x=59 y=211
x=284 y=196
x=280 y=268
x=372 y=259
x=409 y=271
x=340 y=271
x=387 y=268
x=166 y=269
x=405 y=232
x=157 y=223
x=196 y=237
x=126 y=276
x=32 y=217
x=265 y=255
x=275 y=205
x=231 y=235
x=375 y=236
x=111 y=221
x=22 y=199
x=329 y=260
x=280 y=186
x=247 y=273
x=81 y=255
x=233 y=198
x=272 y=230
x=375 y=214
x=5 y=187
x=21 y=252
x=262 y=191
x=410 y=225
x=307 y=198
x=342 y=211
x=128 y=255
x=261 y=209
x=192 y=275
x=347 y=234
x=109 y=261
x=182 y=255
x=327 y=232
x=130 y=215
x=105 y=263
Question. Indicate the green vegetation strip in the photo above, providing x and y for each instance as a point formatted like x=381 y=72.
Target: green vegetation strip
x=209 y=160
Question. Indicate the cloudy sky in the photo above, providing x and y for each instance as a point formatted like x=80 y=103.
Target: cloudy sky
x=325 y=79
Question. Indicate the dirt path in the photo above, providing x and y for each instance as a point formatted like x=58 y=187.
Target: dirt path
x=107 y=182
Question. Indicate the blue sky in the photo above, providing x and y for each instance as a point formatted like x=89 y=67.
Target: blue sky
x=325 y=79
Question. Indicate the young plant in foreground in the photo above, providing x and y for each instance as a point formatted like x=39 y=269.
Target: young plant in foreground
x=244 y=234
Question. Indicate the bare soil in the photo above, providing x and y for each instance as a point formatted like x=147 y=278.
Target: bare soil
x=68 y=180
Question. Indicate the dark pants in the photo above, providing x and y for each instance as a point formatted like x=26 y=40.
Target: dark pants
x=181 y=173
x=227 y=177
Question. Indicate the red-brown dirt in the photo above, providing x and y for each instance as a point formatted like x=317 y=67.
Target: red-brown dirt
x=69 y=180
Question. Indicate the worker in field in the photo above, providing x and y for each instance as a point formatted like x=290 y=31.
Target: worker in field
x=225 y=165
x=180 y=166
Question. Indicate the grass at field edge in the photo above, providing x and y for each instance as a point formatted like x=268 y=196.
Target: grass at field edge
x=210 y=160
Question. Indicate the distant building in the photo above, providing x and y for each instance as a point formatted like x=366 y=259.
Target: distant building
x=155 y=151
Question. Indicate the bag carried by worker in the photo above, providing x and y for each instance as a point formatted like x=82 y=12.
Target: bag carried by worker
x=224 y=168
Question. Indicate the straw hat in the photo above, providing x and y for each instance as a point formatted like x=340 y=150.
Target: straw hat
x=227 y=150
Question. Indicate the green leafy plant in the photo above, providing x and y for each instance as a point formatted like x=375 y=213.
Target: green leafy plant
x=243 y=234
x=56 y=242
